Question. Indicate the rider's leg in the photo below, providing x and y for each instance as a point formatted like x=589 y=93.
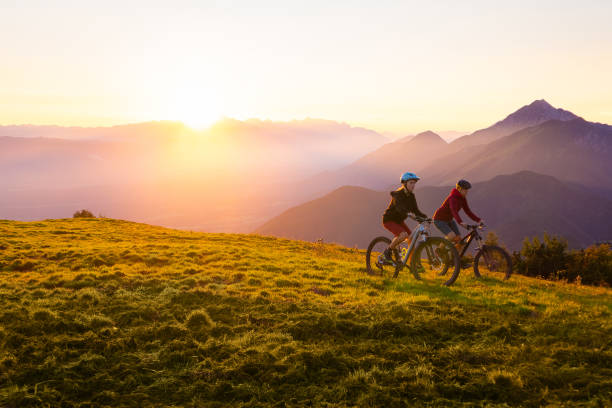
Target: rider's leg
x=403 y=233
x=450 y=231
x=394 y=243
x=454 y=236
x=455 y=239
x=398 y=239
x=400 y=233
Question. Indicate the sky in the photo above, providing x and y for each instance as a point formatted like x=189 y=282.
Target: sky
x=392 y=66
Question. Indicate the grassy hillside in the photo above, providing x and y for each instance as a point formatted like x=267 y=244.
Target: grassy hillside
x=109 y=313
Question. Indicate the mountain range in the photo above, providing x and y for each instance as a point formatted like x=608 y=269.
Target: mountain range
x=534 y=114
x=149 y=131
x=573 y=150
x=269 y=151
x=224 y=179
x=539 y=169
x=537 y=137
x=239 y=174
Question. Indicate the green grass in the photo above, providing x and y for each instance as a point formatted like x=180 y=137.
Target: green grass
x=100 y=312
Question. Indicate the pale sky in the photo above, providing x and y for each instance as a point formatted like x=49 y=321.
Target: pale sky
x=396 y=66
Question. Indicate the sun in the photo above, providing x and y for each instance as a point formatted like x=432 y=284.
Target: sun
x=196 y=107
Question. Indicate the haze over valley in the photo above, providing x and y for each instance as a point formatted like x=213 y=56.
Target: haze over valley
x=237 y=176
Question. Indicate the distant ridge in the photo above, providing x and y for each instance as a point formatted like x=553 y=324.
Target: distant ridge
x=576 y=150
x=151 y=130
x=404 y=139
x=429 y=154
x=535 y=113
x=383 y=165
x=164 y=173
x=428 y=137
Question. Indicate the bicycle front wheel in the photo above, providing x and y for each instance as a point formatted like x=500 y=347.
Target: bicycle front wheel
x=376 y=264
x=491 y=260
x=433 y=259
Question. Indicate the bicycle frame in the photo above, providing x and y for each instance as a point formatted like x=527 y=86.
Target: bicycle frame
x=421 y=233
x=467 y=240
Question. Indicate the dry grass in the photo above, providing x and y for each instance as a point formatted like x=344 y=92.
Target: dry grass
x=100 y=312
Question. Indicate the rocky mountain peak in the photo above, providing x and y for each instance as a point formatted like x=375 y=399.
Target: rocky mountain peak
x=537 y=112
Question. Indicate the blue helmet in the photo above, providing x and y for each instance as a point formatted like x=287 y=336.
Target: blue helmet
x=408 y=176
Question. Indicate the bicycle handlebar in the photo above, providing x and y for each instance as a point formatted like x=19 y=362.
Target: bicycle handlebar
x=475 y=226
x=420 y=219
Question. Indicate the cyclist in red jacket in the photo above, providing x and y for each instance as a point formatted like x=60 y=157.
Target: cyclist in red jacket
x=445 y=216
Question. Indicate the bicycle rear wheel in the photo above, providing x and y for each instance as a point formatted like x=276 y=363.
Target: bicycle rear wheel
x=433 y=259
x=491 y=260
x=375 y=264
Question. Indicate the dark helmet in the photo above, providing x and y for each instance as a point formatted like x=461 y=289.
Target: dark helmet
x=464 y=184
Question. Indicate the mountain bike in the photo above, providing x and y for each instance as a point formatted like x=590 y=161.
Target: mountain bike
x=488 y=258
x=427 y=257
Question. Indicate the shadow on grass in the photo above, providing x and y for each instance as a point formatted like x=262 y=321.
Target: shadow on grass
x=584 y=299
x=433 y=290
x=437 y=291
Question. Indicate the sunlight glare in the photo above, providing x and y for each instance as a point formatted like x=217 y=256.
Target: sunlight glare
x=196 y=107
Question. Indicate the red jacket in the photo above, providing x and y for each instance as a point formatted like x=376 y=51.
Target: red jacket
x=451 y=206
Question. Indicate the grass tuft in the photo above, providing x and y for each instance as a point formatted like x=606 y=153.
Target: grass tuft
x=198 y=320
x=43 y=315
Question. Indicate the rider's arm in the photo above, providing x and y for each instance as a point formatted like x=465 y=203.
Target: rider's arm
x=469 y=212
x=414 y=208
x=455 y=205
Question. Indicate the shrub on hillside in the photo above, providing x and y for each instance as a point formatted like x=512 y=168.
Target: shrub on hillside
x=492 y=239
x=551 y=259
x=543 y=259
x=593 y=265
x=83 y=214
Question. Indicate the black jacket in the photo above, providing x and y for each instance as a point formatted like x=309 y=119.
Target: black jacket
x=402 y=203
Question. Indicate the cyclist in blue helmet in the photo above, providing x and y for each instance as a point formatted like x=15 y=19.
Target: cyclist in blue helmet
x=402 y=202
